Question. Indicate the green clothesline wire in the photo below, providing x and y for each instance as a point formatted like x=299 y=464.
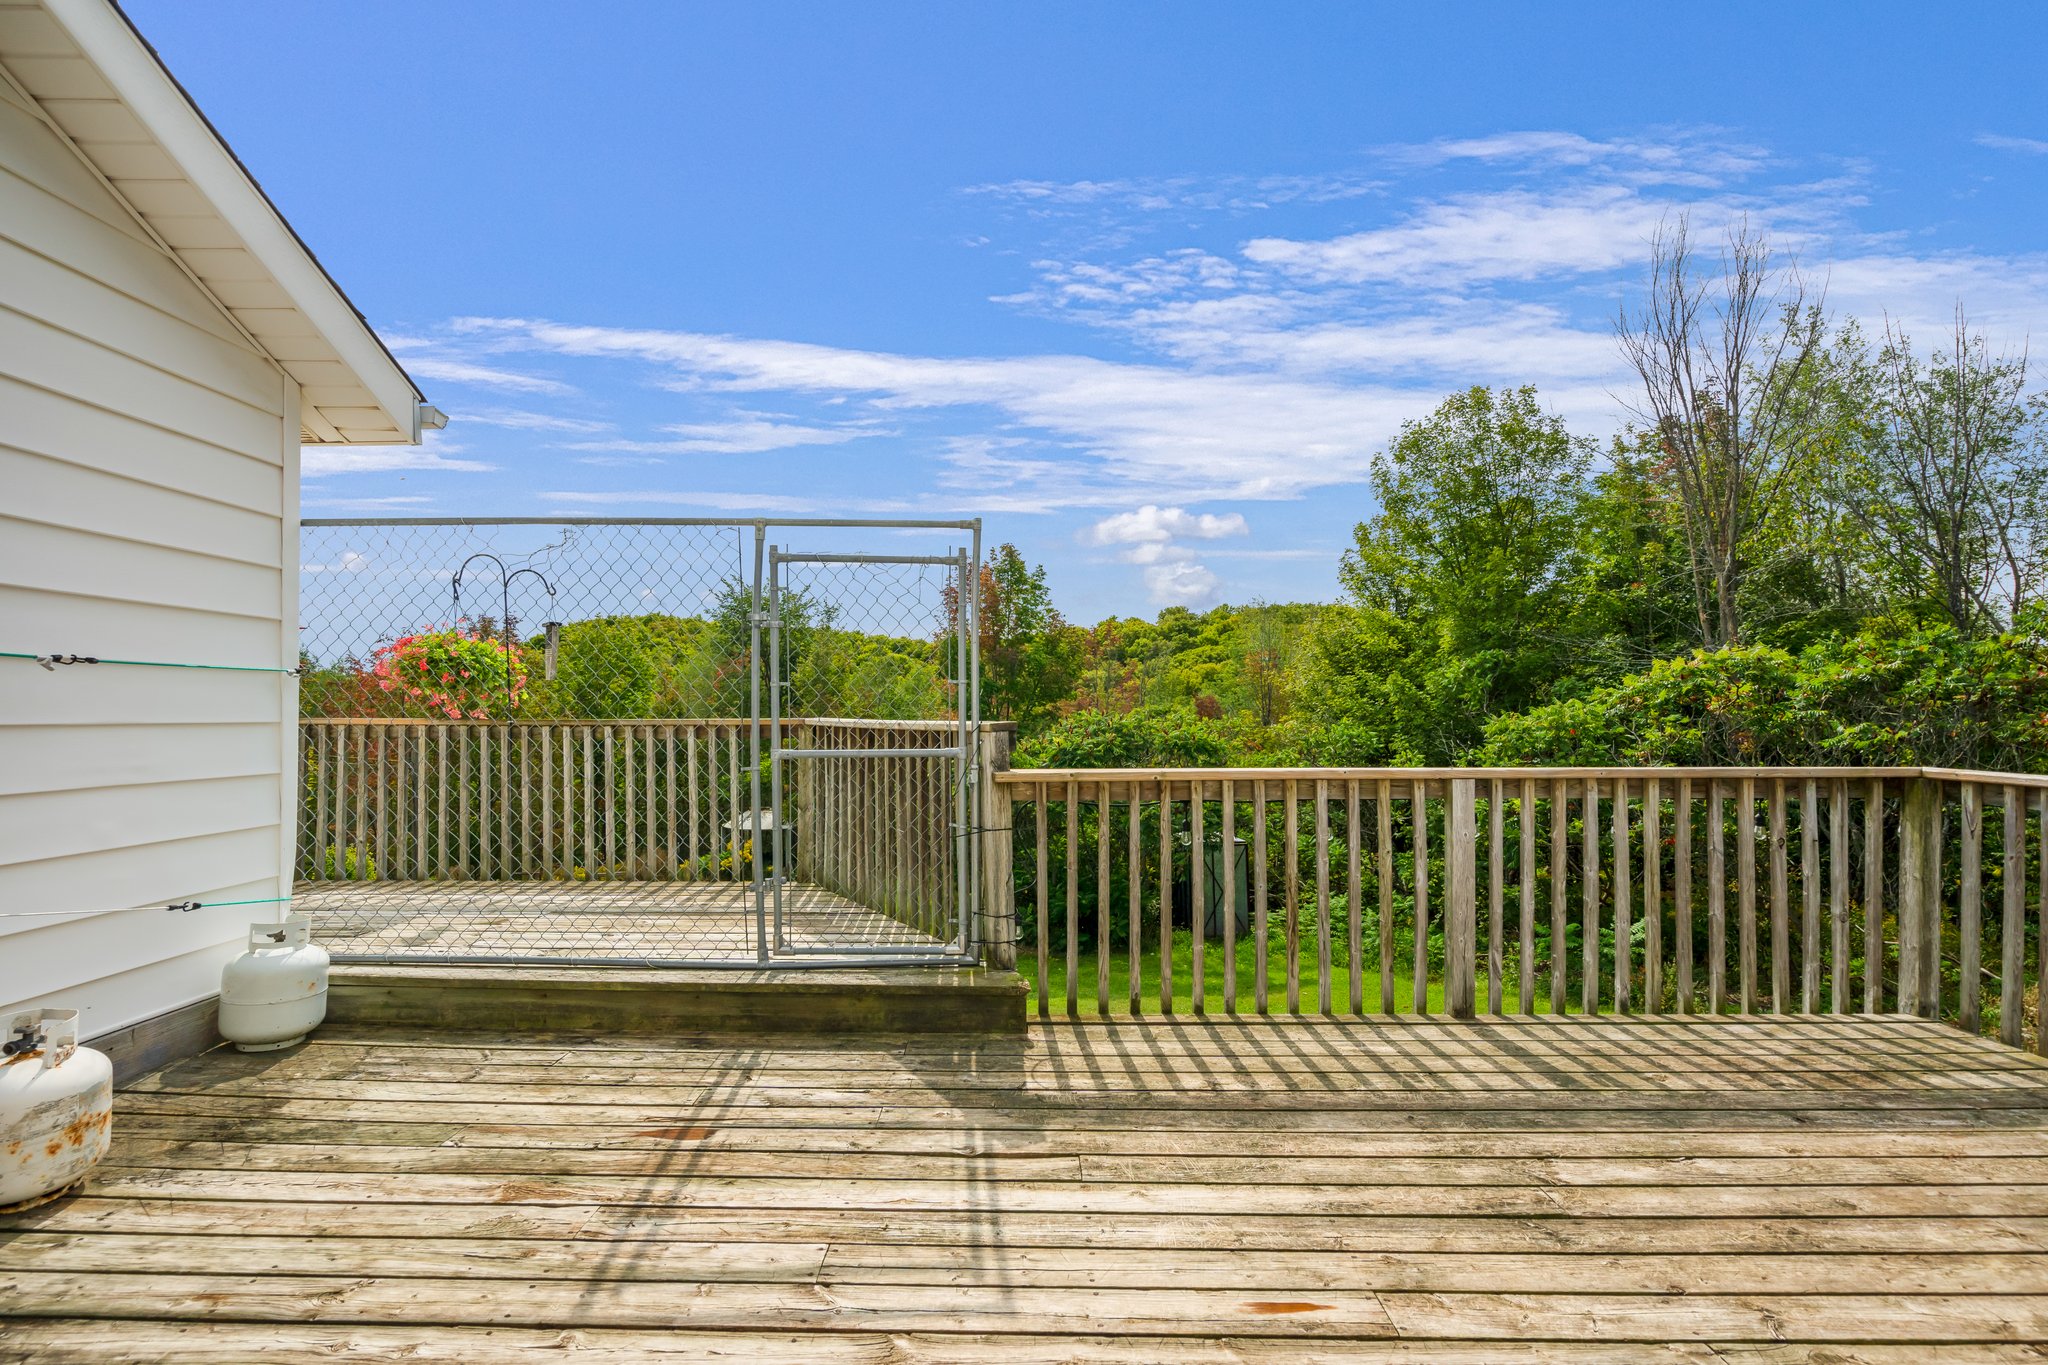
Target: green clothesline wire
x=50 y=662
x=175 y=905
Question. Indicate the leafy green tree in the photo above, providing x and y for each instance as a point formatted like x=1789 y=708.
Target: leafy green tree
x=1030 y=656
x=1461 y=583
x=1953 y=494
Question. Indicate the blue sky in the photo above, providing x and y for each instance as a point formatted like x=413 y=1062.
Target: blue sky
x=1145 y=285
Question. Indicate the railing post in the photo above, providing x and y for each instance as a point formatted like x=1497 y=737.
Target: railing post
x=993 y=812
x=1461 y=874
x=1919 y=892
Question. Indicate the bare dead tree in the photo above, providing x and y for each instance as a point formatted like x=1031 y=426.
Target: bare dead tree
x=1720 y=359
x=1953 y=493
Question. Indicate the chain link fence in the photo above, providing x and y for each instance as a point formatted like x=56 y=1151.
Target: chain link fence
x=560 y=742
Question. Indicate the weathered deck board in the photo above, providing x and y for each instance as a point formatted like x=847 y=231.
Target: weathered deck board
x=696 y=921
x=1671 y=1189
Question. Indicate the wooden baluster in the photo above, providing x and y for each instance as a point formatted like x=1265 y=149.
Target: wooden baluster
x=586 y=799
x=1624 y=896
x=1383 y=812
x=442 y=767
x=1810 y=950
x=1525 y=826
x=422 y=772
x=1930 y=954
x=1259 y=888
x=1461 y=895
x=696 y=814
x=1838 y=894
x=1970 y=983
x=1560 y=872
x=463 y=845
x=1418 y=804
x=1073 y=900
x=2041 y=927
x=614 y=797
x=1717 y=900
x=504 y=801
x=357 y=791
x=1322 y=896
x=380 y=775
x=1353 y=904
x=323 y=763
x=1228 y=870
x=2012 y=926
x=1291 y=835
x=1681 y=891
x=1044 y=959
x=1781 y=936
x=548 y=861
x=1745 y=891
x=394 y=739
x=650 y=847
x=1134 y=869
x=1919 y=893
x=1653 y=896
x=670 y=852
x=1589 y=901
x=1166 y=1006
x=1496 y=913
x=1873 y=898
x=1198 y=916
x=525 y=801
x=1102 y=899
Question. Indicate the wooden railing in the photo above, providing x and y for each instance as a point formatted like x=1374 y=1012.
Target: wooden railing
x=880 y=831
x=1541 y=890
x=638 y=800
x=422 y=801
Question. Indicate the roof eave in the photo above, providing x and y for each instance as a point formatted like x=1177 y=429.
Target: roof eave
x=107 y=38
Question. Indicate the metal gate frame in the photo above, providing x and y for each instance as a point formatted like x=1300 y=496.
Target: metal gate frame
x=959 y=948
x=963 y=947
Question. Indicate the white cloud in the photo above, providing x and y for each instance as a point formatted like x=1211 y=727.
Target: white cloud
x=1150 y=429
x=481 y=376
x=1699 y=157
x=1271 y=365
x=516 y=420
x=2000 y=142
x=1182 y=583
x=1151 y=536
x=1153 y=525
x=1514 y=235
x=725 y=502
x=1159 y=194
x=351 y=561
x=437 y=452
x=744 y=437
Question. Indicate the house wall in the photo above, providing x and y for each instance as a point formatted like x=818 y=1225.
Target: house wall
x=148 y=510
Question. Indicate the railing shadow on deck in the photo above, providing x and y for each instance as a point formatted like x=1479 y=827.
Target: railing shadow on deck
x=1530 y=891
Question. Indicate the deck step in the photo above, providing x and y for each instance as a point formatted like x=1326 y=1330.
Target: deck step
x=652 y=1001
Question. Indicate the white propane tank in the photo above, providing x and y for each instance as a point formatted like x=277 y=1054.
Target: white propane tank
x=56 y=1108
x=274 y=994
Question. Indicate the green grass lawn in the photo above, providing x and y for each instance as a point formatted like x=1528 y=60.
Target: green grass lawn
x=1215 y=968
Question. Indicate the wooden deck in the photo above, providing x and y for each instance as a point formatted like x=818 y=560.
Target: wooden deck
x=619 y=921
x=1558 y=1190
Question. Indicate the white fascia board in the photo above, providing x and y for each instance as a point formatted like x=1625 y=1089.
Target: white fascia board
x=106 y=38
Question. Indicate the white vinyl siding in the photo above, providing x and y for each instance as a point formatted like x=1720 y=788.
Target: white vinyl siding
x=147 y=492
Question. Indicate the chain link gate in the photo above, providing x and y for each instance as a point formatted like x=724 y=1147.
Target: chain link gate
x=884 y=801
x=588 y=741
